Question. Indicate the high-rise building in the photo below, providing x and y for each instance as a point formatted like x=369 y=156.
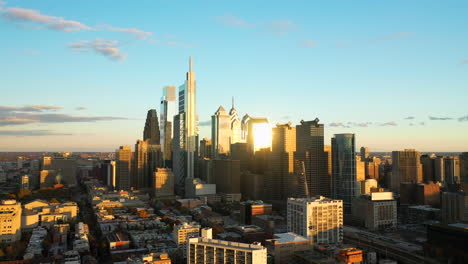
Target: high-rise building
x=360 y=169
x=282 y=161
x=140 y=165
x=251 y=208
x=204 y=250
x=372 y=168
x=226 y=174
x=151 y=130
x=452 y=170
x=236 y=127
x=256 y=132
x=464 y=170
x=376 y=211
x=328 y=151
x=439 y=171
x=454 y=207
x=364 y=153
x=240 y=151
x=163 y=182
x=220 y=132
x=185 y=142
x=167 y=112
x=427 y=164
x=206 y=148
x=320 y=219
x=345 y=184
x=310 y=155
x=406 y=167
x=123 y=167
x=10 y=221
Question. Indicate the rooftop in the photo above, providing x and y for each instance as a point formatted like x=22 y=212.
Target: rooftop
x=289 y=237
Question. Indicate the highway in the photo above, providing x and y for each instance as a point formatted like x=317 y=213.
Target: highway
x=401 y=251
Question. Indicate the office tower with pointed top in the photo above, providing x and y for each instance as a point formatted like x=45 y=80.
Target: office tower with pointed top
x=220 y=132
x=185 y=142
x=236 y=129
x=167 y=112
x=151 y=130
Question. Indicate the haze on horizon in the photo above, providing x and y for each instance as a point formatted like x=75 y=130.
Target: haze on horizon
x=81 y=75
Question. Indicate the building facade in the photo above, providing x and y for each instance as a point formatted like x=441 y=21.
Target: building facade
x=376 y=211
x=344 y=183
x=167 y=111
x=123 y=167
x=163 y=182
x=220 y=132
x=10 y=221
x=406 y=167
x=319 y=219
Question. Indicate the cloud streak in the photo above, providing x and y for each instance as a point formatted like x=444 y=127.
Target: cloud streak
x=105 y=47
x=392 y=123
x=409 y=118
x=29 y=108
x=26 y=133
x=136 y=33
x=233 y=21
x=440 y=118
x=17 y=14
x=308 y=44
x=463 y=119
x=281 y=27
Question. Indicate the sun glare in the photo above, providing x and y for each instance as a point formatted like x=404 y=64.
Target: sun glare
x=262 y=136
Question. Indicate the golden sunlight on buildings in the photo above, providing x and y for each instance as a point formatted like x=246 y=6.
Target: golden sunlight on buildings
x=262 y=136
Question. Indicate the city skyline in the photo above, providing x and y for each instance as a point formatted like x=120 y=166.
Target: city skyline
x=373 y=84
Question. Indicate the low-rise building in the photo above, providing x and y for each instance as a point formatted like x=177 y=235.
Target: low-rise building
x=10 y=221
x=283 y=246
x=376 y=211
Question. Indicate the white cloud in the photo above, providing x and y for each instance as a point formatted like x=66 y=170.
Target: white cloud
x=106 y=47
x=234 y=21
x=137 y=33
x=51 y=22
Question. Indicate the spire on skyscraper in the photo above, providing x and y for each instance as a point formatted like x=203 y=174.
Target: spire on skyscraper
x=191 y=64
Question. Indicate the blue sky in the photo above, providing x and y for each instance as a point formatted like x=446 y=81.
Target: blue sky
x=389 y=71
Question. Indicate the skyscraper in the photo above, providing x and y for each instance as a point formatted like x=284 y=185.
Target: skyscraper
x=427 y=167
x=167 y=112
x=345 y=185
x=452 y=170
x=185 y=140
x=364 y=153
x=220 y=132
x=406 y=167
x=310 y=152
x=236 y=127
x=464 y=170
x=151 y=130
x=256 y=132
x=123 y=167
x=282 y=161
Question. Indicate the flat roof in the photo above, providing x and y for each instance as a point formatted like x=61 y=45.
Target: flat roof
x=289 y=238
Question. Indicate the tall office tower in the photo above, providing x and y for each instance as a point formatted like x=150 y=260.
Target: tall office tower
x=185 y=142
x=364 y=153
x=123 y=167
x=140 y=165
x=236 y=127
x=345 y=185
x=320 y=219
x=151 y=130
x=406 y=167
x=203 y=250
x=454 y=207
x=372 y=168
x=328 y=151
x=46 y=163
x=310 y=155
x=464 y=170
x=360 y=169
x=220 y=132
x=163 y=182
x=439 y=171
x=226 y=174
x=10 y=221
x=256 y=132
x=452 y=170
x=167 y=112
x=282 y=161
x=427 y=164
x=206 y=148
x=240 y=151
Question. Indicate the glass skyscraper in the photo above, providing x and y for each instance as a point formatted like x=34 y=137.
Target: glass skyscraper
x=167 y=112
x=345 y=185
